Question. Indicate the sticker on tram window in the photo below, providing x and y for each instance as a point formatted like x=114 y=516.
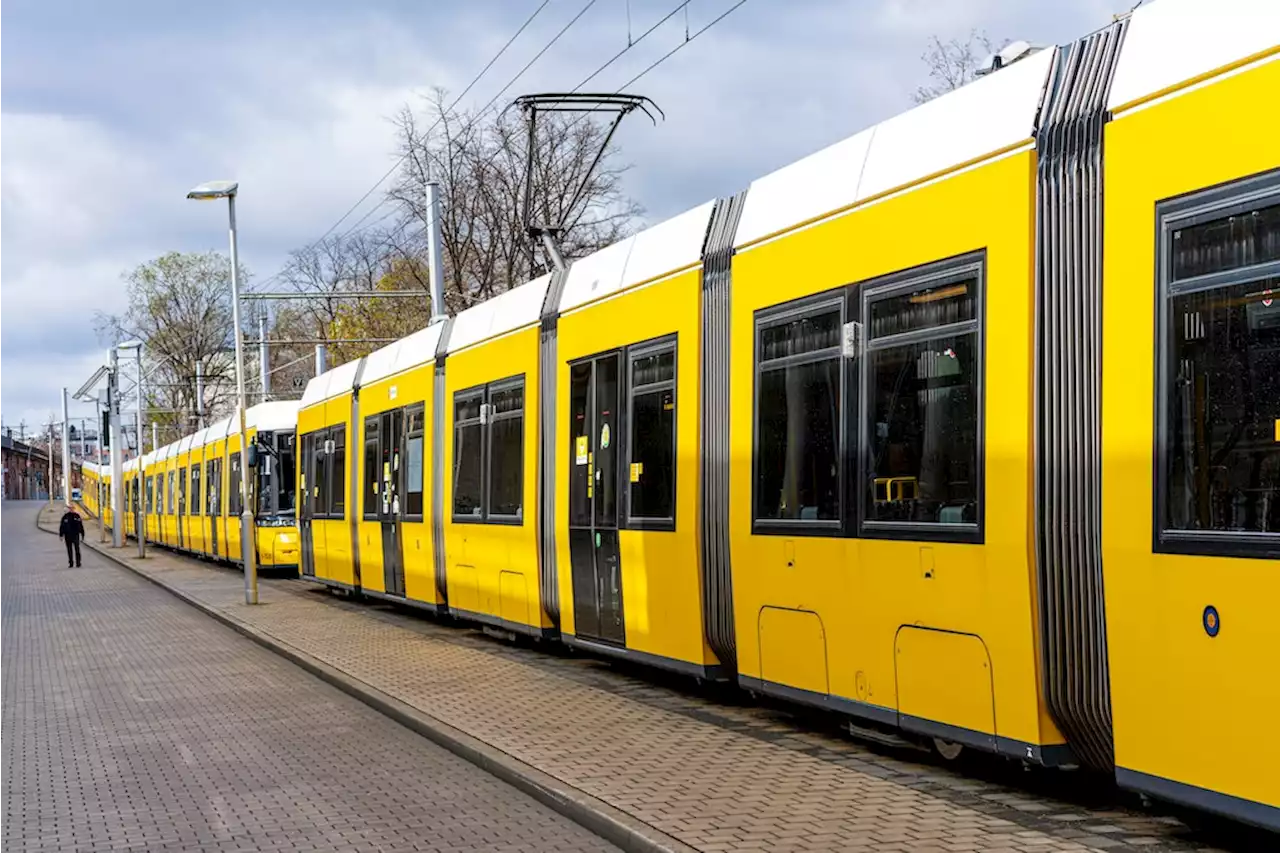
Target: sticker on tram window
x=637 y=468
x=580 y=450
x=604 y=437
x=1277 y=429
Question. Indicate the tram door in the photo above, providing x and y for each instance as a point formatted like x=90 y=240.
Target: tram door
x=594 y=434
x=214 y=472
x=304 y=503
x=391 y=438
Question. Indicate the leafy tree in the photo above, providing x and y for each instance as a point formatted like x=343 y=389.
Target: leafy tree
x=179 y=306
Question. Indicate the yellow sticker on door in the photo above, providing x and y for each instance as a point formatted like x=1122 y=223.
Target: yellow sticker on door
x=580 y=450
x=637 y=468
x=604 y=437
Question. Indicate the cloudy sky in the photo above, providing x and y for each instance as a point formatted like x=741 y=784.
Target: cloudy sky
x=111 y=111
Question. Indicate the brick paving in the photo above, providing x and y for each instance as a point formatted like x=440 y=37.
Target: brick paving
x=703 y=765
x=132 y=721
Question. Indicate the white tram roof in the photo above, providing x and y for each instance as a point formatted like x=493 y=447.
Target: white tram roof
x=1172 y=41
x=408 y=352
x=504 y=313
x=273 y=415
x=331 y=383
x=991 y=114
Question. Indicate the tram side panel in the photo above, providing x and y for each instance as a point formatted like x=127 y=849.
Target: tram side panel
x=627 y=467
x=490 y=500
x=881 y=504
x=393 y=481
x=1191 y=532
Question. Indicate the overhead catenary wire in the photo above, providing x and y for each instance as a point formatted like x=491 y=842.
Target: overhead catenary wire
x=396 y=165
x=400 y=160
x=632 y=43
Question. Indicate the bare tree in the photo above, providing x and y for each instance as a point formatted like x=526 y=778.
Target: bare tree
x=179 y=306
x=479 y=164
x=954 y=63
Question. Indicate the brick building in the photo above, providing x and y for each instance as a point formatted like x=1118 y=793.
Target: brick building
x=26 y=469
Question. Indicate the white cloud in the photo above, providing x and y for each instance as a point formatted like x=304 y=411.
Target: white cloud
x=107 y=124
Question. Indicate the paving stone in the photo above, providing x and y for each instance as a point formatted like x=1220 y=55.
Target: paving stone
x=701 y=764
x=132 y=721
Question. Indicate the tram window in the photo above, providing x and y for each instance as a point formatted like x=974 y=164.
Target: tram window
x=338 y=473
x=287 y=475
x=372 y=466
x=506 y=452
x=195 y=506
x=467 y=456
x=1219 y=436
x=211 y=492
x=652 y=440
x=151 y=495
x=416 y=418
x=488 y=452
x=798 y=415
x=234 y=508
x=171 y=506
x=320 y=486
x=182 y=491
x=922 y=383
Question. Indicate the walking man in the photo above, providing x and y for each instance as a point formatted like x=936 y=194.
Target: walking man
x=71 y=531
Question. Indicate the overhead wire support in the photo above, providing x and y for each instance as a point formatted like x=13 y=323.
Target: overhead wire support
x=618 y=105
x=342 y=294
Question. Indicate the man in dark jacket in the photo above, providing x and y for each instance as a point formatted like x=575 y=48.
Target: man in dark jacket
x=71 y=531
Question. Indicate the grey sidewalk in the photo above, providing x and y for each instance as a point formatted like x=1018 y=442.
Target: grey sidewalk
x=133 y=722
x=704 y=770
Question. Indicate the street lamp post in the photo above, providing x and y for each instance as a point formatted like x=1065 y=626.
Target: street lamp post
x=204 y=192
x=139 y=510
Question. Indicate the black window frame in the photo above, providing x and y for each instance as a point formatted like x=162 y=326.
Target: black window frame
x=854 y=414
x=182 y=492
x=196 y=473
x=631 y=354
x=371 y=475
x=972 y=266
x=171 y=507
x=234 y=502
x=1196 y=208
x=485 y=420
x=771 y=317
x=418 y=410
x=338 y=435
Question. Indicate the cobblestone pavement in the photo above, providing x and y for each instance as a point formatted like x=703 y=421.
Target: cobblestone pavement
x=132 y=721
x=704 y=765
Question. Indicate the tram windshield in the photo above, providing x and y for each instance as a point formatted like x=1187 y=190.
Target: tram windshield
x=277 y=474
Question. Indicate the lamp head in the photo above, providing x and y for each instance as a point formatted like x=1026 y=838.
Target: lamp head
x=214 y=190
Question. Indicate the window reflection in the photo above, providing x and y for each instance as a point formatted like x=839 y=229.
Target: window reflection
x=924 y=432
x=1223 y=416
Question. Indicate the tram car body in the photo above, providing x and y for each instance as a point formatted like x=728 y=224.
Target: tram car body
x=967 y=426
x=188 y=492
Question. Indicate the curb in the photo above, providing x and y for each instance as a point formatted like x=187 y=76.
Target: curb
x=611 y=824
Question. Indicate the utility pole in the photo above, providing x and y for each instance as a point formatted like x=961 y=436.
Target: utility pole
x=264 y=356
x=199 y=395
x=117 y=461
x=155 y=436
x=321 y=359
x=66 y=450
x=48 y=485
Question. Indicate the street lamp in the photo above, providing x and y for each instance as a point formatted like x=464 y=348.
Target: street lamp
x=142 y=462
x=210 y=192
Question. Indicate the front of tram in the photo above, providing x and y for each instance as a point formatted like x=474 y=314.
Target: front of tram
x=274 y=496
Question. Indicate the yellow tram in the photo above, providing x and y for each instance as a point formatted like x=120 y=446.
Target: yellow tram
x=188 y=492
x=967 y=426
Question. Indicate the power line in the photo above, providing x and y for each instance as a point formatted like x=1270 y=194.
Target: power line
x=396 y=165
x=659 y=61
x=475 y=118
